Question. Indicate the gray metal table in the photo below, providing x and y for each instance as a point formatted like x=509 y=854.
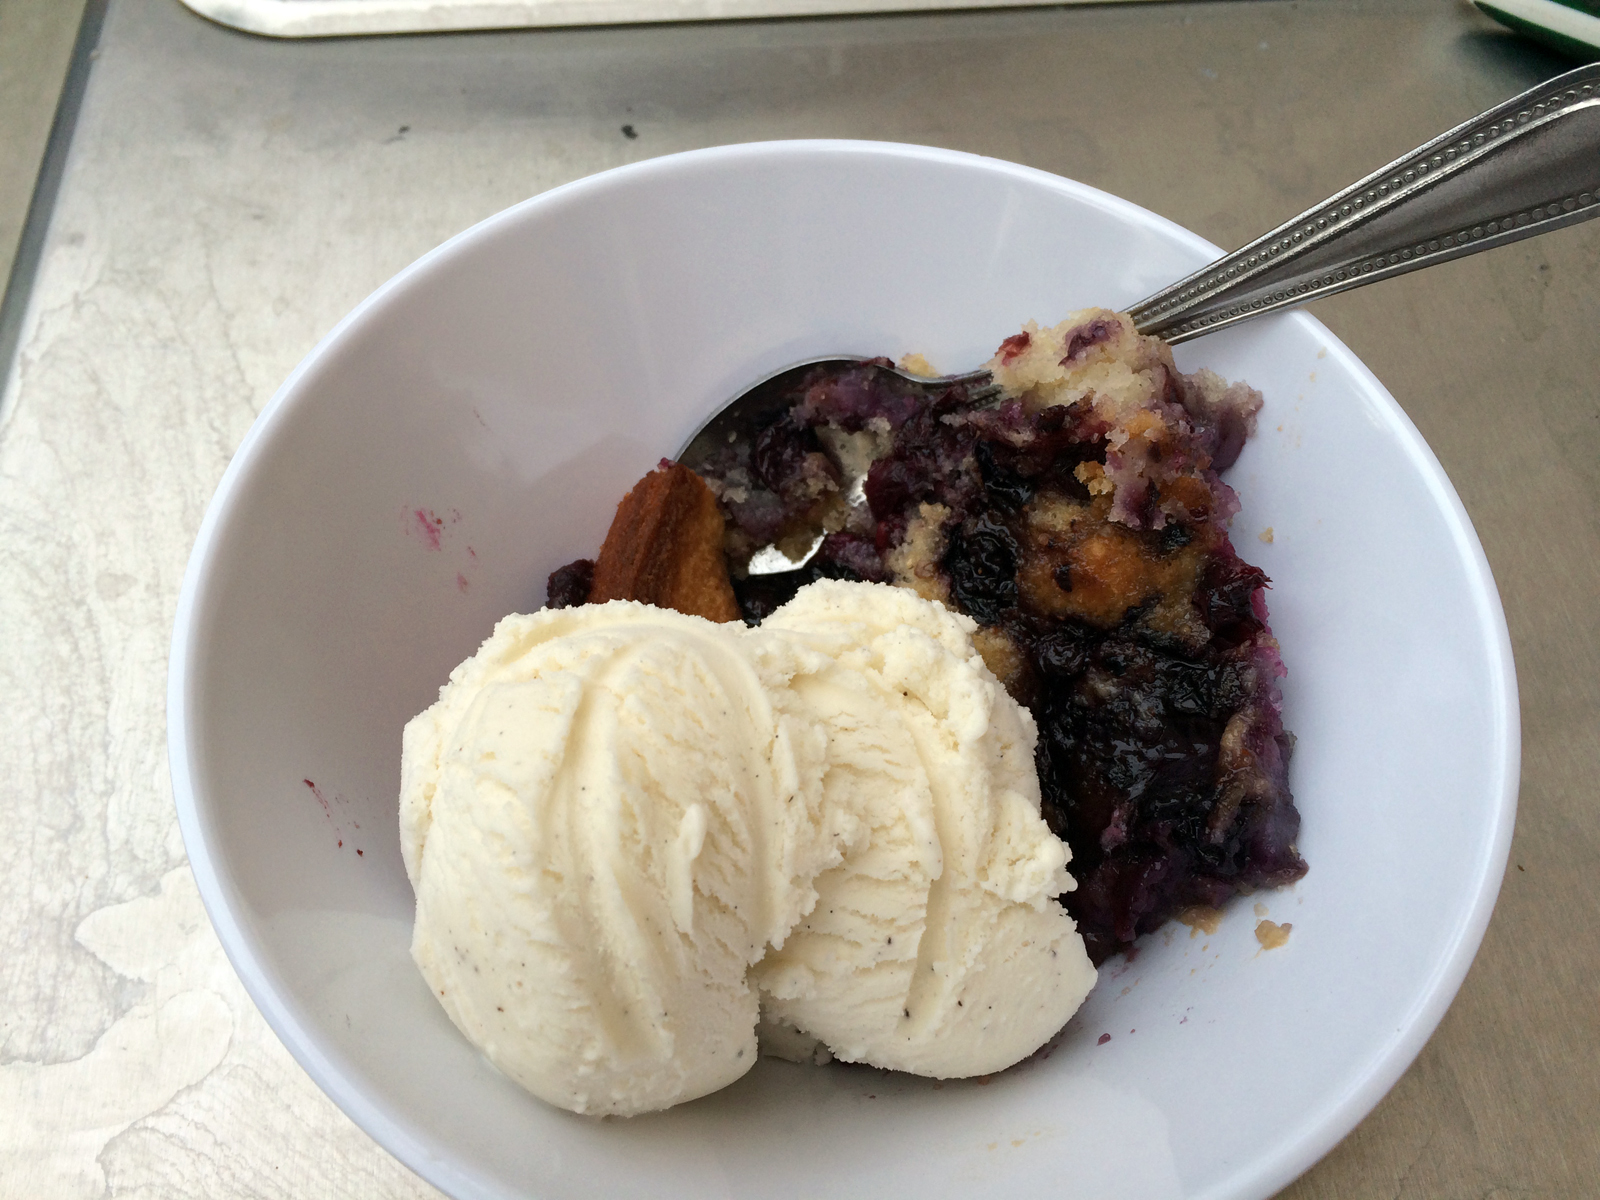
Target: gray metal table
x=226 y=199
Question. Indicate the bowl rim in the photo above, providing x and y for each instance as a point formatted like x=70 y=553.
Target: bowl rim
x=1271 y=1170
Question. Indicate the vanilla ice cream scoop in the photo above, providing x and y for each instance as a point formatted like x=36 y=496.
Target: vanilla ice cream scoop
x=629 y=829
x=936 y=945
x=603 y=821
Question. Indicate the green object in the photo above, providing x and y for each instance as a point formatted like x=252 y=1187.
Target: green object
x=1570 y=27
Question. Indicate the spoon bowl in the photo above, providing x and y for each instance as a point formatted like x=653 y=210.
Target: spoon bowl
x=746 y=418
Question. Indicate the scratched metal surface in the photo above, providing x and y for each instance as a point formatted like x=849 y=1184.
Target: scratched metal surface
x=228 y=198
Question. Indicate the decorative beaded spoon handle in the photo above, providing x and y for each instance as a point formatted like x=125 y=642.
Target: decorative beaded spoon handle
x=1527 y=166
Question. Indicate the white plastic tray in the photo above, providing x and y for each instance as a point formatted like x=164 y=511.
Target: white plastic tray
x=332 y=18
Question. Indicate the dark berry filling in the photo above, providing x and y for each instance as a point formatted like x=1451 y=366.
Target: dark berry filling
x=1141 y=646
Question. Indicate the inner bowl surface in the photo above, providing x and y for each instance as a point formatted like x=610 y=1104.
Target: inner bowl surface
x=472 y=425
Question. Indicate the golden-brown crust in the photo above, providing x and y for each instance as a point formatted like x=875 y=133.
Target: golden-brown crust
x=665 y=548
x=1076 y=562
x=915 y=561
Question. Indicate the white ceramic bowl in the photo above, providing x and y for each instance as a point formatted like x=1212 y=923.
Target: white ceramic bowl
x=472 y=425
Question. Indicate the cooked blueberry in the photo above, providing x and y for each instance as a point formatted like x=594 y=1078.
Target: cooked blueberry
x=780 y=454
x=1006 y=490
x=982 y=565
x=569 y=586
x=1175 y=537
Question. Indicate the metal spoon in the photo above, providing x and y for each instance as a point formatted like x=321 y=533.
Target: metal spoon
x=1520 y=169
x=1523 y=167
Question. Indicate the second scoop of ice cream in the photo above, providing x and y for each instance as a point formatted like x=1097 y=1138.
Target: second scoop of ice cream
x=629 y=829
x=935 y=946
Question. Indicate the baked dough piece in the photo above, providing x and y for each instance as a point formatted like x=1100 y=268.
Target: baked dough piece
x=665 y=548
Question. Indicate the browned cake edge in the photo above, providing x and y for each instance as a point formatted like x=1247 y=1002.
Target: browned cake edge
x=664 y=548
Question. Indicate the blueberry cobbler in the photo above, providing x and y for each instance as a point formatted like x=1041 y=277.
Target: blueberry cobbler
x=1079 y=518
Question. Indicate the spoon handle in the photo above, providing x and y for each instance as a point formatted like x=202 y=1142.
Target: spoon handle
x=1526 y=166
